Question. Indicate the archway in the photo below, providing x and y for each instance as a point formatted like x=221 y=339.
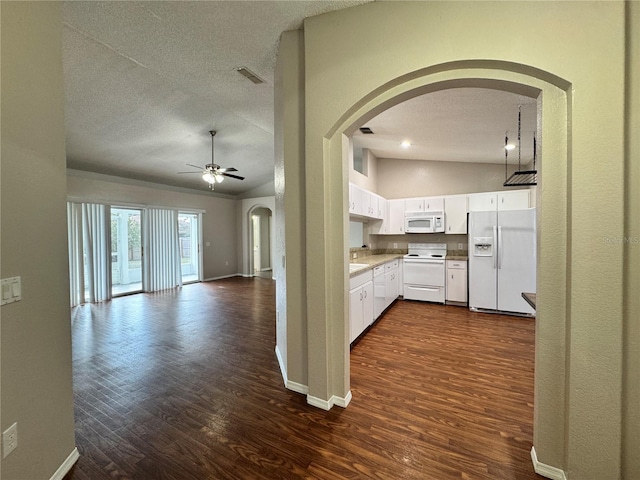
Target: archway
x=260 y=248
x=330 y=311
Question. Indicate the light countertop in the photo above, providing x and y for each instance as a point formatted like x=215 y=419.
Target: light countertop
x=373 y=261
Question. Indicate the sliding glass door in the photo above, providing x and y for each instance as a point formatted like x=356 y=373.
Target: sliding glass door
x=189 y=239
x=126 y=250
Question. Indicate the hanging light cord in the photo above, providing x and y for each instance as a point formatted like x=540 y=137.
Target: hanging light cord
x=519 y=143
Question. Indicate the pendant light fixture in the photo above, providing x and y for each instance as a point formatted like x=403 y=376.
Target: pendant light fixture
x=521 y=178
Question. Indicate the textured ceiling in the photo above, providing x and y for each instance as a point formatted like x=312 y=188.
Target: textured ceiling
x=146 y=81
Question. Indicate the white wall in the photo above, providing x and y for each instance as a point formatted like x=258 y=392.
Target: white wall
x=219 y=222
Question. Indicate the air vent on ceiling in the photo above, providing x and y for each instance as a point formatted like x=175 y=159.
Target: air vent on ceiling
x=366 y=130
x=245 y=72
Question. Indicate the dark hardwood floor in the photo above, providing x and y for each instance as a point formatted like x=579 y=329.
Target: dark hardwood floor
x=184 y=384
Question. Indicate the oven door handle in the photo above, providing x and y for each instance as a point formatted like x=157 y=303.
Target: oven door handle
x=432 y=262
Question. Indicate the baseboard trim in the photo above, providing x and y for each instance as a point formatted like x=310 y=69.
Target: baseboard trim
x=66 y=465
x=223 y=276
x=293 y=386
x=297 y=387
x=328 y=404
x=283 y=370
x=546 y=471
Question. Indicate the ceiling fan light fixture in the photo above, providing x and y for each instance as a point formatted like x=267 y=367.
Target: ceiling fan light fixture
x=208 y=177
x=218 y=178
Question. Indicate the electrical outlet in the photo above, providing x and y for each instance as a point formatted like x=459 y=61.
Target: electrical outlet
x=395 y=245
x=354 y=255
x=9 y=440
x=460 y=246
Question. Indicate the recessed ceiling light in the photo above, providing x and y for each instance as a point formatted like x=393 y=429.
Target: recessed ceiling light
x=406 y=144
x=509 y=146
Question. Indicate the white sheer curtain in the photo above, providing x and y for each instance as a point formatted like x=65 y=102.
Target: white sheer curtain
x=162 y=252
x=89 y=227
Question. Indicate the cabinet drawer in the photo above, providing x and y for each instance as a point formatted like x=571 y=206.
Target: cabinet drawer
x=391 y=265
x=456 y=265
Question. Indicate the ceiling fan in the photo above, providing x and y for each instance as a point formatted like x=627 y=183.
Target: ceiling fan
x=213 y=173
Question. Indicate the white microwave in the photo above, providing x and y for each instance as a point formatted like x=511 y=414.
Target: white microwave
x=424 y=222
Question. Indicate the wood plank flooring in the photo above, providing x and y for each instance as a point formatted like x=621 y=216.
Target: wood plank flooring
x=184 y=385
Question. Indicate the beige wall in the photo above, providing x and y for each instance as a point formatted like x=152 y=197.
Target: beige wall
x=631 y=334
x=219 y=222
x=418 y=178
x=578 y=66
x=36 y=381
x=289 y=249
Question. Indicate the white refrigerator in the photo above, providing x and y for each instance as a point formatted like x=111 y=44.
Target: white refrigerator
x=502 y=260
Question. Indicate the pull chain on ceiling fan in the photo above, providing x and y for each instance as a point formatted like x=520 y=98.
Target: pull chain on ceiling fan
x=212 y=173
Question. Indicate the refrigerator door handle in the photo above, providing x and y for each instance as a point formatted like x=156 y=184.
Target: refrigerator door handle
x=495 y=249
x=499 y=248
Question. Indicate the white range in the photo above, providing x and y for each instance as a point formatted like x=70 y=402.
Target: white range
x=424 y=272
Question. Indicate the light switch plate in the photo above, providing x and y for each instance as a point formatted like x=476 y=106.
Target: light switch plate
x=11 y=290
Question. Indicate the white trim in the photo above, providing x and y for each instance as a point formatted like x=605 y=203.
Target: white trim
x=320 y=403
x=328 y=404
x=546 y=471
x=66 y=465
x=297 y=387
x=283 y=370
x=223 y=276
x=343 y=402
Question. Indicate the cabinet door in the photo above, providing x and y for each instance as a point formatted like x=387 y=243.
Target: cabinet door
x=456 y=281
x=382 y=227
x=434 y=204
x=513 y=200
x=367 y=305
x=391 y=286
x=354 y=199
x=482 y=202
x=455 y=214
x=396 y=216
x=414 y=204
x=355 y=313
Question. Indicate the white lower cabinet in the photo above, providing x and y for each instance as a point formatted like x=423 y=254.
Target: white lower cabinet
x=379 y=291
x=371 y=293
x=392 y=288
x=456 y=281
x=360 y=304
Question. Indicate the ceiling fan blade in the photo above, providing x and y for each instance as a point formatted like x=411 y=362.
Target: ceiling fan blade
x=232 y=176
x=199 y=167
x=228 y=169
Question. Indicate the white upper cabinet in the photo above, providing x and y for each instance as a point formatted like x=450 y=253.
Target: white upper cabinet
x=363 y=203
x=514 y=200
x=424 y=204
x=396 y=216
x=492 y=201
x=414 y=204
x=455 y=214
x=434 y=204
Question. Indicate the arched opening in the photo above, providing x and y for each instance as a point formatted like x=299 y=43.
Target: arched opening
x=553 y=95
x=260 y=249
